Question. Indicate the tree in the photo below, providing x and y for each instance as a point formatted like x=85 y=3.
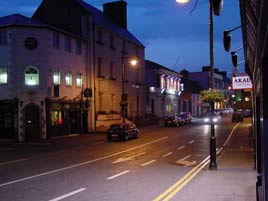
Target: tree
x=212 y=95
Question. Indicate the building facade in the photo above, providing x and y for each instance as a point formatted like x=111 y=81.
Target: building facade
x=163 y=90
x=61 y=72
x=255 y=42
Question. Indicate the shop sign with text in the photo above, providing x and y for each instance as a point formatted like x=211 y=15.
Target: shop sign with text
x=241 y=82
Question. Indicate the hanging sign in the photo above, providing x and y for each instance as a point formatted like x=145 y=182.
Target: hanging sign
x=241 y=82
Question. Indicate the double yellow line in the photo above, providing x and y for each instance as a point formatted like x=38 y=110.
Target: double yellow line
x=176 y=187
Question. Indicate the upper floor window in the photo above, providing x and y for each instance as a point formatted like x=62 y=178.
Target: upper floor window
x=67 y=44
x=78 y=48
x=99 y=66
x=100 y=37
x=68 y=79
x=56 y=40
x=124 y=48
x=79 y=80
x=112 y=42
x=31 y=76
x=56 y=77
x=111 y=69
x=3 y=37
x=3 y=75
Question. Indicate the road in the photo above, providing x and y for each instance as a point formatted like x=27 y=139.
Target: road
x=88 y=168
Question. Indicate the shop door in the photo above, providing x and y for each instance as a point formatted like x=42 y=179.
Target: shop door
x=32 y=122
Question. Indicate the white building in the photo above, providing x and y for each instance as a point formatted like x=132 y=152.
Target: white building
x=61 y=72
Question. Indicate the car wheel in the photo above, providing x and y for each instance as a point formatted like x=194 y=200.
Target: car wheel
x=137 y=134
x=126 y=137
x=109 y=138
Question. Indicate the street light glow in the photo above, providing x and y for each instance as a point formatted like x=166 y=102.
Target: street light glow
x=134 y=62
x=182 y=1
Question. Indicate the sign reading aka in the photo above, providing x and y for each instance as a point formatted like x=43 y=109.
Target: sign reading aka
x=241 y=82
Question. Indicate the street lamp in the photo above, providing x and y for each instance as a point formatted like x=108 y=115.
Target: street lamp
x=124 y=103
x=216 y=6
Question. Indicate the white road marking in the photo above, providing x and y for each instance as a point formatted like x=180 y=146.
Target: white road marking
x=15 y=161
x=128 y=158
x=68 y=194
x=191 y=142
x=80 y=164
x=147 y=163
x=181 y=147
x=117 y=175
x=168 y=154
x=183 y=161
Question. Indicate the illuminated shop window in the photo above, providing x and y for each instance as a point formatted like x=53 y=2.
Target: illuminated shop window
x=56 y=77
x=31 y=76
x=3 y=75
x=56 y=118
x=79 y=80
x=68 y=79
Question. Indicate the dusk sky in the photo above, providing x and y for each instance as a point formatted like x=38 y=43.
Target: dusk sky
x=172 y=37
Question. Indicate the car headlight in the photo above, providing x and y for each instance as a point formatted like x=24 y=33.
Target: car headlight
x=215 y=119
x=206 y=120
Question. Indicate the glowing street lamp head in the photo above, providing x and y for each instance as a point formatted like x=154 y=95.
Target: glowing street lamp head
x=182 y=1
x=133 y=62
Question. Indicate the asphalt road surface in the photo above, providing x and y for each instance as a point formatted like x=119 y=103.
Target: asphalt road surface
x=88 y=168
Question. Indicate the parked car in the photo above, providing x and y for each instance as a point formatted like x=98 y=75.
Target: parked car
x=237 y=116
x=209 y=118
x=123 y=131
x=173 y=120
x=186 y=116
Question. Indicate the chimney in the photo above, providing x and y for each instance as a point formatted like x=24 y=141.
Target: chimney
x=117 y=11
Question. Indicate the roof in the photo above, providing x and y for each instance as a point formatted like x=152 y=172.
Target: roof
x=17 y=19
x=104 y=21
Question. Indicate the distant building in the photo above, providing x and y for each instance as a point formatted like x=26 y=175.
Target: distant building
x=163 y=90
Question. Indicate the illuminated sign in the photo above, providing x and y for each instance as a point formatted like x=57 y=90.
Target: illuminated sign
x=241 y=82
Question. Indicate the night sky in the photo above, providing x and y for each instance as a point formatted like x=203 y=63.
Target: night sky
x=172 y=37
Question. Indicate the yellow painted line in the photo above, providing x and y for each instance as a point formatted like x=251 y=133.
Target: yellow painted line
x=176 y=187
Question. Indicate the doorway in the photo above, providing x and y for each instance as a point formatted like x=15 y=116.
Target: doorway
x=32 y=122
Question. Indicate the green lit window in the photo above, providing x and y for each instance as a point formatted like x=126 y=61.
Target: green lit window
x=56 y=77
x=68 y=79
x=31 y=76
x=79 y=80
x=56 y=118
x=3 y=75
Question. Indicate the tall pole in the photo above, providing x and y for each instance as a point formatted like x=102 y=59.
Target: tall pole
x=213 y=163
x=123 y=90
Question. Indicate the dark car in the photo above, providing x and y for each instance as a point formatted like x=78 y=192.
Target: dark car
x=186 y=116
x=173 y=120
x=123 y=131
x=237 y=116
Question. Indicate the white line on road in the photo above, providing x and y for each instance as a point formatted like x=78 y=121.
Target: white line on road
x=168 y=154
x=147 y=163
x=181 y=147
x=80 y=164
x=68 y=194
x=192 y=141
x=119 y=174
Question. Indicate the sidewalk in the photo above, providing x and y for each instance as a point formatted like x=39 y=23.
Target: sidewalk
x=234 y=180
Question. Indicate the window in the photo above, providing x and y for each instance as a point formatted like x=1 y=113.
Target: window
x=68 y=79
x=124 y=50
x=99 y=66
x=56 y=40
x=56 y=77
x=99 y=39
x=31 y=76
x=67 y=44
x=79 y=80
x=112 y=42
x=56 y=118
x=3 y=37
x=78 y=49
x=111 y=70
x=3 y=75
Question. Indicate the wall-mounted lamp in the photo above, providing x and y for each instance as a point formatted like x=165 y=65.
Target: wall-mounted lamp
x=235 y=56
x=227 y=39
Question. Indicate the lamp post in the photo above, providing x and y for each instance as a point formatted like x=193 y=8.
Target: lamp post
x=216 y=6
x=124 y=103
